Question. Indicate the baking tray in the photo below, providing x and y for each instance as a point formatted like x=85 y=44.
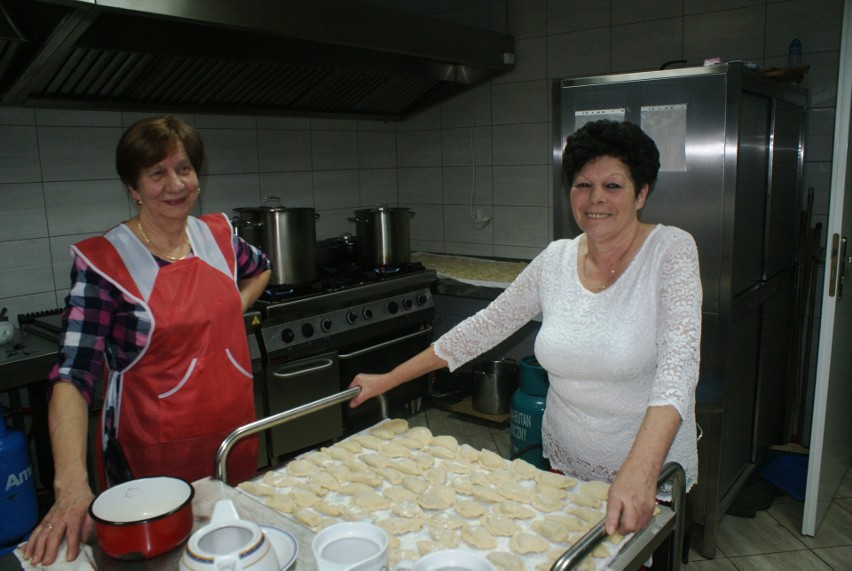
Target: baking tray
x=630 y=552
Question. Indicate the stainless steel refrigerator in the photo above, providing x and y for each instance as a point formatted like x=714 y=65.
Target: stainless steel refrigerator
x=731 y=142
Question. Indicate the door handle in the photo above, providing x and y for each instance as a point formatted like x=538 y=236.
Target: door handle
x=837 y=276
x=377 y=346
x=287 y=374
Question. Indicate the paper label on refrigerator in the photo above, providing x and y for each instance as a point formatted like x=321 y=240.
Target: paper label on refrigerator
x=583 y=117
x=666 y=124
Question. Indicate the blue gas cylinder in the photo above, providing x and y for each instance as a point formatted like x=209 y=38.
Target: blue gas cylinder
x=17 y=489
x=527 y=412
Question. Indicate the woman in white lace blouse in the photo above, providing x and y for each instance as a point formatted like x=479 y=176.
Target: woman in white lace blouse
x=620 y=333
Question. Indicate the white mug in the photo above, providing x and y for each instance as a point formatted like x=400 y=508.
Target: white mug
x=229 y=542
x=448 y=560
x=351 y=546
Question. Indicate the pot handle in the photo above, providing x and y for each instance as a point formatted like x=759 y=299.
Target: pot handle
x=411 y=214
x=275 y=199
x=359 y=220
x=316 y=216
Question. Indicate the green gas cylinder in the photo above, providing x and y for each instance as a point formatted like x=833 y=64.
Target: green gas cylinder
x=527 y=411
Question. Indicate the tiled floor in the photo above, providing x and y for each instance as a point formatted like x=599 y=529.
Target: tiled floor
x=769 y=541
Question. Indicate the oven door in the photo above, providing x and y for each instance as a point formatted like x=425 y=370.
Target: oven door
x=381 y=357
x=300 y=382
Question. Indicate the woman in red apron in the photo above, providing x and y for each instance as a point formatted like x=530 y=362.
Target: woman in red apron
x=158 y=301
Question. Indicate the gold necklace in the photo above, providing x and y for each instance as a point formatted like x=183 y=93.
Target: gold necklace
x=611 y=276
x=147 y=241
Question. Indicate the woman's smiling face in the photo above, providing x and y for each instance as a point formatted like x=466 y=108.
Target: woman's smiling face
x=604 y=200
x=169 y=188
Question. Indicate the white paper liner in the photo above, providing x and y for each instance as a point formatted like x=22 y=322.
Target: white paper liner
x=260 y=490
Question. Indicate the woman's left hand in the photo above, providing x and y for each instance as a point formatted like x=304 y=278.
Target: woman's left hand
x=631 y=501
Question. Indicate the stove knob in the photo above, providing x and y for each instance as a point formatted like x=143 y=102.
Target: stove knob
x=351 y=317
x=367 y=313
x=307 y=329
x=422 y=299
x=392 y=307
x=287 y=335
x=407 y=303
x=326 y=325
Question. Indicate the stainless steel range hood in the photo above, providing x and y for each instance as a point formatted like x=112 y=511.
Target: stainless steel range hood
x=336 y=58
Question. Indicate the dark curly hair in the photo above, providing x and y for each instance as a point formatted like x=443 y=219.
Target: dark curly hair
x=622 y=140
x=148 y=141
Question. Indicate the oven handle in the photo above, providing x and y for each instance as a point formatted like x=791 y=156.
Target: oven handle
x=324 y=364
x=220 y=471
x=359 y=352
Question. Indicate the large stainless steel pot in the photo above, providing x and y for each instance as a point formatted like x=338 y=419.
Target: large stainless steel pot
x=287 y=235
x=383 y=235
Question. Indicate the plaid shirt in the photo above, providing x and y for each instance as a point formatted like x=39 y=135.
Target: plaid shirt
x=100 y=321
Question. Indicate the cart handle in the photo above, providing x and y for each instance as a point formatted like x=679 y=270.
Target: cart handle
x=671 y=471
x=220 y=470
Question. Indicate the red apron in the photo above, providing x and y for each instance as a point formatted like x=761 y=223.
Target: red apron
x=192 y=385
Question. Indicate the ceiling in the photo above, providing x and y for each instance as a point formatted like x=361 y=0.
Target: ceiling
x=333 y=58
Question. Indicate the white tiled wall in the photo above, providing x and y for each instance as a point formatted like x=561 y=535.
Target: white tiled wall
x=489 y=148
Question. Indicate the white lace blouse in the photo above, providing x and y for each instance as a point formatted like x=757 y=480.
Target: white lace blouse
x=608 y=355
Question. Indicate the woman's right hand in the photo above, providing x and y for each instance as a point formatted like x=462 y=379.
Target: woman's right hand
x=69 y=519
x=371 y=386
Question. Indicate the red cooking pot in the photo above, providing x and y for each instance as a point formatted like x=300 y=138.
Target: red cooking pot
x=143 y=518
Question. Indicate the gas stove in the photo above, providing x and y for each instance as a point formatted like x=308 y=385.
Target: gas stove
x=343 y=308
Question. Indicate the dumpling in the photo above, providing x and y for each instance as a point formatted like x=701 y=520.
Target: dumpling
x=382 y=433
x=371 y=478
x=301 y=467
x=320 y=458
x=303 y=498
x=396 y=425
x=400 y=525
x=555 y=480
x=448 y=537
x=437 y=498
x=445 y=520
x=407 y=508
x=394 y=450
x=524 y=542
x=441 y=452
x=350 y=445
x=457 y=467
x=436 y=476
x=354 y=488
x=367 y=441
x=595 y=489
x=491 y=460
x=327 y=508
x=375 y=460
x=514 y=491
x=506 y=561
x=469 y=508
x=467 y=453
x=398 y=494
x=551 y=530
x=416 y=485
x=427 y=546
x=257 y=488
x=546 y=503
x=498 y=524
x=448 y=442
x=478 y=537
x=569 y=522
x=462 y=485
x=515 y=510
x=584 y=500
x=282 y=503
x=419 y=433
x=424 y=460
x=486 y=494
x=307 y=517
x=550 y=491
x=406 y=466
x=524 y=469
x=370 y=501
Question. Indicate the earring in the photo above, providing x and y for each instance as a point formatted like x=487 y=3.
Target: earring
x=138 y=203
x=198 y=190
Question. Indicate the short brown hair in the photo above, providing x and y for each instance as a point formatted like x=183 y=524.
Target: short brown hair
x=148 y=141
